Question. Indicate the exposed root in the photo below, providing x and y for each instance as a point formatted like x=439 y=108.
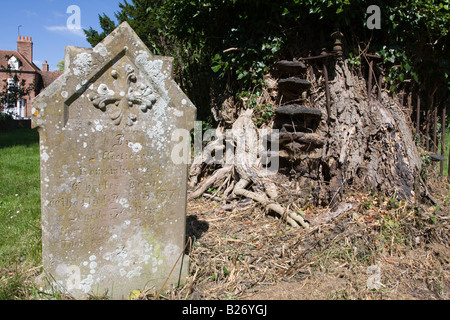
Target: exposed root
x=218 y=175
x=270 y=204
x=247 y=165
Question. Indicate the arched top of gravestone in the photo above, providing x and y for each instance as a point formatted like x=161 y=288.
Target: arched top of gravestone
x=120 y=82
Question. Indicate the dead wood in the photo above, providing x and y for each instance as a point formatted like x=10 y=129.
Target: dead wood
x=356 y=143
x=369 y=145
x=246 y=162
x=200 y=160
x=218 y=175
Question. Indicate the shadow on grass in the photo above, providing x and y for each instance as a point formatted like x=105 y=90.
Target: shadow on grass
x=16 y=137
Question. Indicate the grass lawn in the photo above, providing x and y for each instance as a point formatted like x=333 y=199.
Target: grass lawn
x=438 y=150
x=447 y=150
x=20 y=234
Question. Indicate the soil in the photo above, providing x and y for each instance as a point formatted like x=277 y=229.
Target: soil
x=241 y=252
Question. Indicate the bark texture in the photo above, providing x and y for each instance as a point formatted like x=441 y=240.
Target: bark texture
x=358 y=145
x=369 y=144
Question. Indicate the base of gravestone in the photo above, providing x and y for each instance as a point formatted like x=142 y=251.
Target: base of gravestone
x=177 y=277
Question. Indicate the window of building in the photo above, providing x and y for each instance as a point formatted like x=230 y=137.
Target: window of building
x=13 y=63
x=11 y=84
x=13 y=87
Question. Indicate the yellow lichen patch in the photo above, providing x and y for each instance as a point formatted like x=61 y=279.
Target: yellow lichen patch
x=134 y=295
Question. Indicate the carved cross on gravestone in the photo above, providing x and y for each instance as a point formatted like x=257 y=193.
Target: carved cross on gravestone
x=135 y=93
x=113 y=201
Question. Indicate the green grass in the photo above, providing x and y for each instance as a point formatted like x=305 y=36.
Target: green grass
x=20 y=234
x=446 y=152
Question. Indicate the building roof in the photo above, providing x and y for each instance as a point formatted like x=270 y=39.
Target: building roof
x=26 y=65
x=49 y=76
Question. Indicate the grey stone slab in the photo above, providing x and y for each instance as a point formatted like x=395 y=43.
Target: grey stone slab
x=113 y=200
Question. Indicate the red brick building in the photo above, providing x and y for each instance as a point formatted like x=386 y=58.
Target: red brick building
x=20 y=62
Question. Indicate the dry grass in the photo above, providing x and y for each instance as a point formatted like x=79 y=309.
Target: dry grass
x=245 y=253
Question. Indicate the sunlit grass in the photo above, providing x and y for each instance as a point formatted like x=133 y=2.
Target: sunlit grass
x=447 y=151
x=20 y=234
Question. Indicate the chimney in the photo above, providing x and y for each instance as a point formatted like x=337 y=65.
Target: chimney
x=45 y=66
x=25 y=47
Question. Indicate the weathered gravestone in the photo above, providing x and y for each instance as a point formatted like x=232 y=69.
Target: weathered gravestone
x=113 y=201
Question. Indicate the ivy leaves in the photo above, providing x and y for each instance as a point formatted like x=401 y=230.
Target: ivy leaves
x=399 y=67
x=249 y=62
x=417 y=33
x=230 y=44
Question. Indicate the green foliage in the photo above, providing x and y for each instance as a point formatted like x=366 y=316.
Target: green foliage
x=354 y=59
x=107 y=25
x=399 y=67
x=60 y=66
x=249 y=62
x=225 y=47
x=416 y=36
x=263 y=113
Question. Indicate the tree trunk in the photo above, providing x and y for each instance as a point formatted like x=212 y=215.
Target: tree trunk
x=359 y=144
x=369 y=145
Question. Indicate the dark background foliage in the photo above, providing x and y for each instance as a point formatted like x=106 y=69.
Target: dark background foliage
x=224 y=47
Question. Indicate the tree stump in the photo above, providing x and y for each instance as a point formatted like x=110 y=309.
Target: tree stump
x=358 y=145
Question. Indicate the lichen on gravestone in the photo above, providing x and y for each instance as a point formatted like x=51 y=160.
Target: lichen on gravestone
x=113 y=201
